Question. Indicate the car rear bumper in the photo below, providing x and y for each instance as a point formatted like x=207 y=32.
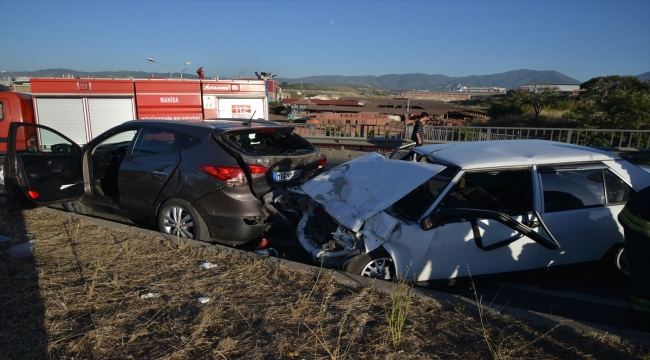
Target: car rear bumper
x=232 y=230
x=233 y=215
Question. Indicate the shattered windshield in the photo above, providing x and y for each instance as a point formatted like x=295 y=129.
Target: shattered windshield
x=413 y=205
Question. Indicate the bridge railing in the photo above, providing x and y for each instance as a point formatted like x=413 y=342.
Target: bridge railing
x=639 y=139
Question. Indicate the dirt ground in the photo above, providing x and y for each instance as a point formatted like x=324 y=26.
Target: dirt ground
x=84 y=294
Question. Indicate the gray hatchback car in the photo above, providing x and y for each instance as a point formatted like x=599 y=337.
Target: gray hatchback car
x=203 y=180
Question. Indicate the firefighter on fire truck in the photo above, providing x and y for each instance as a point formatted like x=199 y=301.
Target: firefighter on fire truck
x=200 y=72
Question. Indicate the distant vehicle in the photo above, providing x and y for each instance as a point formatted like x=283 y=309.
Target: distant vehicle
x=449 y=211
x=204 y=180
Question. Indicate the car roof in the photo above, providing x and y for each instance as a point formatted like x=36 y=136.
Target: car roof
x=498 y=153
x=215 y=124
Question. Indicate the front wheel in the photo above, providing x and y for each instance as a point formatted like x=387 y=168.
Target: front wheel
x=376 y=264
x=177 y=217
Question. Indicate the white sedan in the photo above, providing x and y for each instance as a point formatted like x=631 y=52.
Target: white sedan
x=448 y=211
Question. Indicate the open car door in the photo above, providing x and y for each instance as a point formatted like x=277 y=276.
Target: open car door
x=42 y=167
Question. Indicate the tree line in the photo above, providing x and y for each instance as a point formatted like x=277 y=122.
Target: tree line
x=606 y=102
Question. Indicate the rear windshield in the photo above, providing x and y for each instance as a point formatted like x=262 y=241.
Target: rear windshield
x=269 y=142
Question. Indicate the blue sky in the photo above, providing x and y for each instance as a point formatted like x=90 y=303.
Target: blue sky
x=298 y=38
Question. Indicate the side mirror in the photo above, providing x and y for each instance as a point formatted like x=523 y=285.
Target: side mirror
x=431 y=221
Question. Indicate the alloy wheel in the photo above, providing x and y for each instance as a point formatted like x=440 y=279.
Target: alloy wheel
x=378 y=269
x=178 y=222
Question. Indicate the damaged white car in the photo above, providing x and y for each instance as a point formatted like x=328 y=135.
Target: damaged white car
x=448 y=211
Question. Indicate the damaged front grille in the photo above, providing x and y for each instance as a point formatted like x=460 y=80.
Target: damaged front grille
x=323 y=230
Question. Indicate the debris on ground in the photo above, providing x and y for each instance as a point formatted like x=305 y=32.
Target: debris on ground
x=207 y=265
x=204 y=299
x=23 y=250
x=267 y=252
x=149 y=295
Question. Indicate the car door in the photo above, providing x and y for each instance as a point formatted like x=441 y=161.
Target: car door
x=580 y=205
x=42 y=167
x=146 y=169
x=476 y=231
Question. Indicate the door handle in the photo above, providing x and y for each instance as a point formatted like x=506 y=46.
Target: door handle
x=160 y=173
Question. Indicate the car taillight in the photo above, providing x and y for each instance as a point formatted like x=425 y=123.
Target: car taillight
x=257 y=170
x=232 y=174
x=322 y=162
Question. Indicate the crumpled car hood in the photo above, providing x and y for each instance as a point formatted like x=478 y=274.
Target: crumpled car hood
x=355 y=191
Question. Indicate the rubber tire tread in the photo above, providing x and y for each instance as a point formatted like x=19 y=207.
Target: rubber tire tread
x=358 y=263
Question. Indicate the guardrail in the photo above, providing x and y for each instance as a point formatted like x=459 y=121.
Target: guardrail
x=376 y=136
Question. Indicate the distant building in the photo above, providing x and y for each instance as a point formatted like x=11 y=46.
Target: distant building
x=563 y=89
x=436 y=96
x=481 y=90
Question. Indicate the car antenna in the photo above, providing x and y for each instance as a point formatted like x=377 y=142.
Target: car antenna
x=251 y=119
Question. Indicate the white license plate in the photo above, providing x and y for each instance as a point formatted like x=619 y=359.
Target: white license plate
x=286 y=175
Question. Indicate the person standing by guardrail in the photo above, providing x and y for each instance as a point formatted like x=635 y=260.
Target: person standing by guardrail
x=635 y=219
x=418 y=129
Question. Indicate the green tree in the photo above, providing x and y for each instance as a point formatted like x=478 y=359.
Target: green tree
x=530 y=100
x=613 y=102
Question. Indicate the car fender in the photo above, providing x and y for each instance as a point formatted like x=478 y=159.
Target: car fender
x=377 y=230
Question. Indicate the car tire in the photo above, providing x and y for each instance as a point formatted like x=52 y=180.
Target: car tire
x=376 y=264
x=70 y=207
x=621 y=262
x=176 y=214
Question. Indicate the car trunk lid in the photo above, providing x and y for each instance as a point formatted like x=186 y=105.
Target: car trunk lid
x=271 y=156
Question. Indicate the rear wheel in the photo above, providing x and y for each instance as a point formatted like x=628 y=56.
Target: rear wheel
x=177 y=217
x=621 y=262
x=376 y=264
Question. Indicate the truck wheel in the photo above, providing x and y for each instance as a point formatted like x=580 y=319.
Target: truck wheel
x=376 y=264
x=177 y=217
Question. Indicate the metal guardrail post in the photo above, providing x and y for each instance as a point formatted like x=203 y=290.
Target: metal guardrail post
x=488 y=135
x=569 y=134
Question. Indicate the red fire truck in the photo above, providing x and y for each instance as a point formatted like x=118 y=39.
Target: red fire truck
x=84 y=108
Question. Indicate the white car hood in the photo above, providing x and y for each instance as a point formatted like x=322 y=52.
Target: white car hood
x=354 y=191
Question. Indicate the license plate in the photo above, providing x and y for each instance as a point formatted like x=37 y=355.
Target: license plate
x=286 y=175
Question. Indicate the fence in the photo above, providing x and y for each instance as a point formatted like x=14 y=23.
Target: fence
x=639 y=139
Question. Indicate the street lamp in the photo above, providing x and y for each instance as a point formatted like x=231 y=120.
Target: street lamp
x=170 y=66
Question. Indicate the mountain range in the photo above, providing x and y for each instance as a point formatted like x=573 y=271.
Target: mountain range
x=417 y=81
x=508 y=80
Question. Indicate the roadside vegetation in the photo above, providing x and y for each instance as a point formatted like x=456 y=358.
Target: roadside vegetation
x=93 y=292
x=610 y=102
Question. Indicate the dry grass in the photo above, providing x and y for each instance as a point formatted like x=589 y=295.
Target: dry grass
x=83 y=302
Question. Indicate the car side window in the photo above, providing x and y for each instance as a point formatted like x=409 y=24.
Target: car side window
x=155 y=142
x=508 y=191
x=573 y=189
x=187 y=141
x=617 y=190
x=2 y=110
